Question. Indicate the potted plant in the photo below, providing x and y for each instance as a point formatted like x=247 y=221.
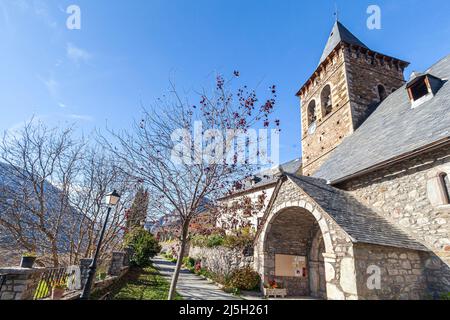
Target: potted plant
x=58 y=291
x=28 y=260
x=274 y=289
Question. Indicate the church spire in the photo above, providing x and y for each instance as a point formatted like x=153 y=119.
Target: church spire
x=339 y=34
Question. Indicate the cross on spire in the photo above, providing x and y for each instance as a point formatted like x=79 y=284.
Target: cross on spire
x=336 y=12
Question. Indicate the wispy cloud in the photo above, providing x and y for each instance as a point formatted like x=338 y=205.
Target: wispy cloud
x=42 y=12
x=52 y=86
x=38 y=8
x=81 y=117
x=54 y=90
x=76 y=54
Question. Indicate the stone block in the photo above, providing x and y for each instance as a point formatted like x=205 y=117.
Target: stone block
x=348 y=276
x=334 y=293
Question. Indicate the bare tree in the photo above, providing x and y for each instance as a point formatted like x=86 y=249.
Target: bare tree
x=180 y=173
x=39 y=165
x=51 y=194
x=97 y=177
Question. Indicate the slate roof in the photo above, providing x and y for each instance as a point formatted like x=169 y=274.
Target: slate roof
x=392 y=130
x=338 y=34
x=360 y=222
x=270 y=176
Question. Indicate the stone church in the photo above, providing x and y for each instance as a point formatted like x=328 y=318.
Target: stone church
x=366 y=216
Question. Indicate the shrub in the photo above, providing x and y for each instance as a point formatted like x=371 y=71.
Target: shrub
x=189 y=262
x=244 y=279
x=168 y=256
x=242 y=239
x=199 y=241
x=144 y=245
x=215 y=240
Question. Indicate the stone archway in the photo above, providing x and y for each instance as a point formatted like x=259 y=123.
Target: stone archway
x=299 y=231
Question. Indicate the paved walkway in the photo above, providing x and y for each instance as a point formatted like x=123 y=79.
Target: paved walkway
x=191 y=286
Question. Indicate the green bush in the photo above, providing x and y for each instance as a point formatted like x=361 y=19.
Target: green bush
x=445 y=296
x=144 y=245
x=244 y=279
x=215 y=240
x=189 y=262
x=242 y=239
x=168 y=256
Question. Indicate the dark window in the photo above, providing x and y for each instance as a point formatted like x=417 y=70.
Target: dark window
x=445 y=182
x=312 y=112
x=381 y=92
x=418 y=90
x=325 y=98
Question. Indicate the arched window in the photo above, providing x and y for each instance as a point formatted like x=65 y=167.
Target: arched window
x=312 y=112
x=445 y=185
x=381 y=92
x=325 y=99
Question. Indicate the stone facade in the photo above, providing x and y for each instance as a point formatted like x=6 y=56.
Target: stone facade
x=365 y=71
x=221 y=260
x=354 y=75
x=403 y=274
x=338 y=248
x=296 y=225
x=401 y=194
x=331 y=128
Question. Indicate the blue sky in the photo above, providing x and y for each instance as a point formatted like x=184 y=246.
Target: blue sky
x=126 y=52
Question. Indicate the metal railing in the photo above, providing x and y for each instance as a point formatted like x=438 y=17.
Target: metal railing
x=50 y=278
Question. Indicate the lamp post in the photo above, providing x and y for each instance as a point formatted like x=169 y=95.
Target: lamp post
x=111 y=200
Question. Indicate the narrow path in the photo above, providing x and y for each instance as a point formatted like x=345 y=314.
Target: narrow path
x=191 y=286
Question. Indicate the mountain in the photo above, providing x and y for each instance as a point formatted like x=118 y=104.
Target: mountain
x=18 y=193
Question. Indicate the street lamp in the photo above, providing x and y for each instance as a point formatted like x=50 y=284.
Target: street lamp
x=111 y=200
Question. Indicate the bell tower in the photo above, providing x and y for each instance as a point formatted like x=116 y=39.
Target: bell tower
x=347 y=86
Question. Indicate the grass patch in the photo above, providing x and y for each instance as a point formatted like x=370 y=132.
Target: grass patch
x=141 y=284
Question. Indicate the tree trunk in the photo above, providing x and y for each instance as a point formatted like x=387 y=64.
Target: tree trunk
x=175 y=275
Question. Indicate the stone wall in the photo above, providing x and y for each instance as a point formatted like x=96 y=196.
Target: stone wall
x=401 y=194
x=20 y=283
x=117 y=263
x=402 y=272
x=221 y=260
x=365 y=71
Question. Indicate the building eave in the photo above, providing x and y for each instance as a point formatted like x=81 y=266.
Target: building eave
x=392 y=161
